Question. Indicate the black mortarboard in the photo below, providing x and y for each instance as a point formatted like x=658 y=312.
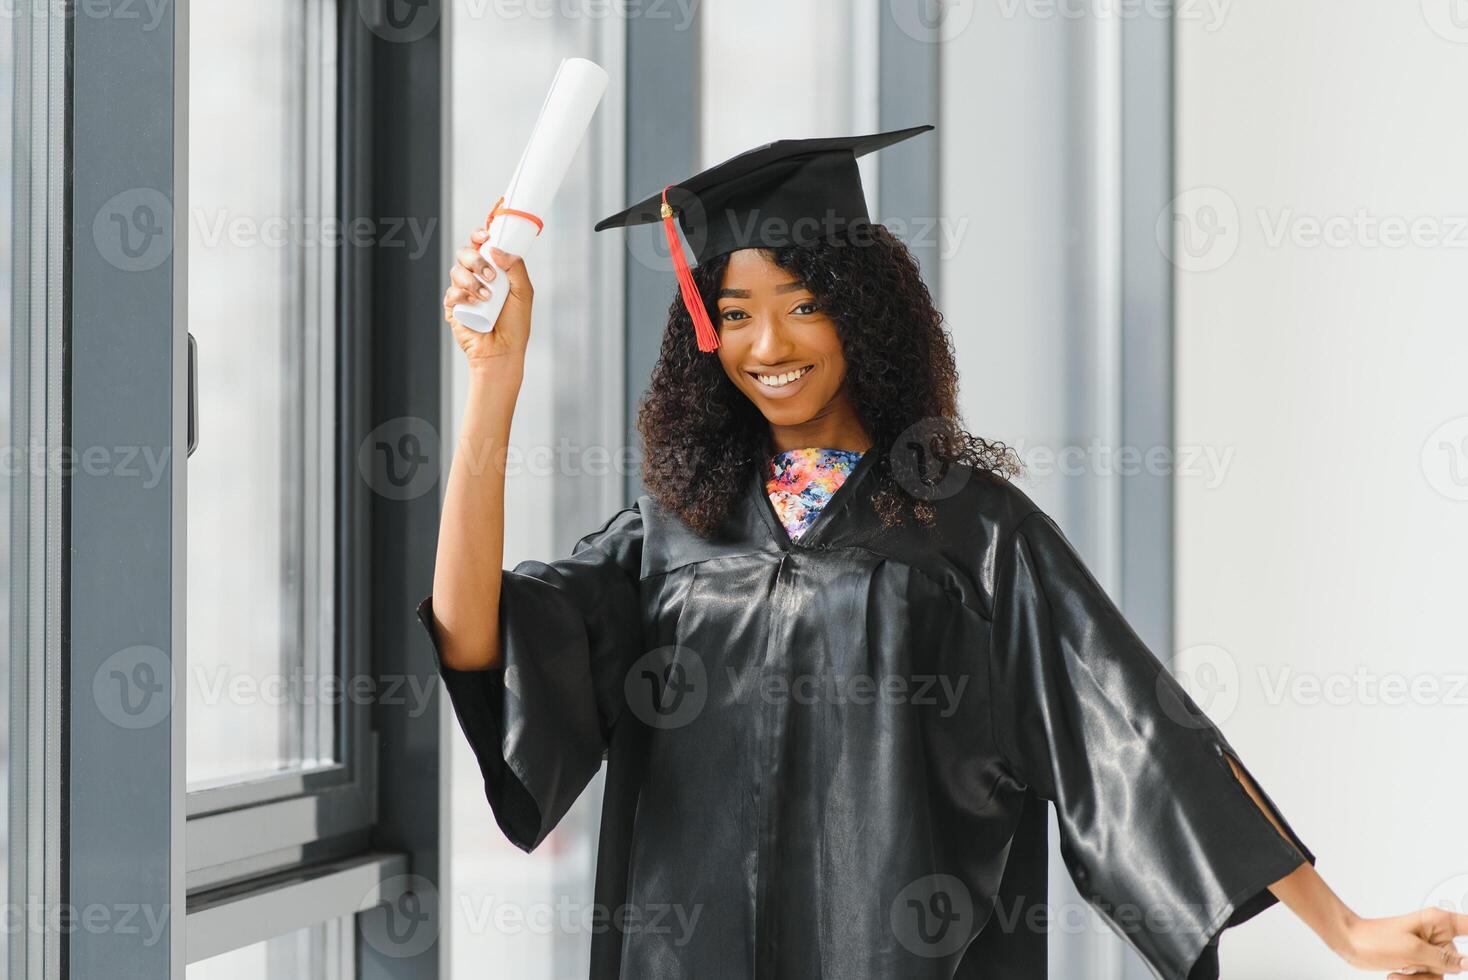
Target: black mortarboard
x=788 y=192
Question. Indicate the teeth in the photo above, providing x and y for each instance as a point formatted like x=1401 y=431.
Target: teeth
x=780 y=380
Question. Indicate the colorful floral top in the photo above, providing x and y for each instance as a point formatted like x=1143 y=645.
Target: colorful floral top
x=802 y=480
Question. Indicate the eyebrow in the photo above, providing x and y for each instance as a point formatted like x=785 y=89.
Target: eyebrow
x=784 y=287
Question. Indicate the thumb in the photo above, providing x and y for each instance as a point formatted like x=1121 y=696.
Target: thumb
x=513 y=267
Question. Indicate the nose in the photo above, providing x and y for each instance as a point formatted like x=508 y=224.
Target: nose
x=772 y=343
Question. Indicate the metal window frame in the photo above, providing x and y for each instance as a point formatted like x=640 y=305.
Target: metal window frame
x=39 y=275
x=125 y=378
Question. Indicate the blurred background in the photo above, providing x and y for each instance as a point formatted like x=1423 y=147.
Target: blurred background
x=1205 y=265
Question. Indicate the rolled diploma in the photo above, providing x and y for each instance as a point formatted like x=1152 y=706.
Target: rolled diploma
x=565 y=115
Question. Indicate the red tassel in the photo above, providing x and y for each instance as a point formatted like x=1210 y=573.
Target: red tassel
x=703 y=327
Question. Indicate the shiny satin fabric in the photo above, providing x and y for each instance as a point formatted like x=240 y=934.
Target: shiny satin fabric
x=833 y=757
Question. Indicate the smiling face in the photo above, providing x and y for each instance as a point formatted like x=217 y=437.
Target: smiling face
x=782 y=351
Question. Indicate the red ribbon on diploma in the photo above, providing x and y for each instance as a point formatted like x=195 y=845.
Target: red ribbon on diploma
x=539 y=225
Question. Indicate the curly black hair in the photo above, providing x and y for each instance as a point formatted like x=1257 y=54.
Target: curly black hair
x=700 y=433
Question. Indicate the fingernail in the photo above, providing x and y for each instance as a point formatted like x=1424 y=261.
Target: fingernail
x=484 y=293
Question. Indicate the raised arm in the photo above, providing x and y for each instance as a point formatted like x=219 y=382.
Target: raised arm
x=471 y=532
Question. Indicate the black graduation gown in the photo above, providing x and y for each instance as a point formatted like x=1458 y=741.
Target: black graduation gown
x=832 y=757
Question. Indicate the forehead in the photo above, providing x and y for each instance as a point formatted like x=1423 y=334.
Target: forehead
x=752 y=268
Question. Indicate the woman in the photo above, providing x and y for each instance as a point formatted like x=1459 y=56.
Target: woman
x=835 y=660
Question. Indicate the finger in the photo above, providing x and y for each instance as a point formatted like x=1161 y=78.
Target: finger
x=465 y=280
x=1415 y=976
x=469 y=258
x=455 y=297
x=478 y=235
x=514 y=267
x=1431 y=957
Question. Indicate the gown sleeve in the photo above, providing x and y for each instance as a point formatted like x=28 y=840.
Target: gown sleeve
x=540 y=723
x=1156 y=831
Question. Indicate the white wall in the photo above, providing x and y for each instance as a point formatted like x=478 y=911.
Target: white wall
x=1335 y=540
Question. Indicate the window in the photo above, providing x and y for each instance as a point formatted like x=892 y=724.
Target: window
x=271 y=718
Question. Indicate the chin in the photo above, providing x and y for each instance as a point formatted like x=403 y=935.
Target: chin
x=786 y=415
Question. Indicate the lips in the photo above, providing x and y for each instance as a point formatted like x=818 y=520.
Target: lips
x=781 y=380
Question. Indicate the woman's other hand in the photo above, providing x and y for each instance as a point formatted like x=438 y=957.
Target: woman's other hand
x=1418 y=945
x=469 y=281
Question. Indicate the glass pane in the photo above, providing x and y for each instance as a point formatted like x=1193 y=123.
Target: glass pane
x=320 y=952
x=262 y=124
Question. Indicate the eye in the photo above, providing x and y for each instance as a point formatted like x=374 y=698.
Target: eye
x=733 y=314
x=810 y=305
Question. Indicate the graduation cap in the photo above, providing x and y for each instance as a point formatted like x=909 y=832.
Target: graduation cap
x=788 y=192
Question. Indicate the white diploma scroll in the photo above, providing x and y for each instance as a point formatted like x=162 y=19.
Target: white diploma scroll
x=564 y=117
